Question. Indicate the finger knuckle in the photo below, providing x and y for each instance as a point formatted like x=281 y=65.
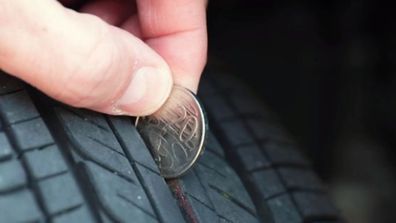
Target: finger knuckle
x=90 y=84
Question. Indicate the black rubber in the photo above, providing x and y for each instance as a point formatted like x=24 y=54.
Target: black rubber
x=61 y=164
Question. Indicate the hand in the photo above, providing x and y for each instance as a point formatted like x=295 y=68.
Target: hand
x=115 y=56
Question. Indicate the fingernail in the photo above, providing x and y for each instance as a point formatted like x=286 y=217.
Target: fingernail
x=147 y=91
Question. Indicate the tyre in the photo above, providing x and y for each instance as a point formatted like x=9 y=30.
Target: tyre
x=61 y=164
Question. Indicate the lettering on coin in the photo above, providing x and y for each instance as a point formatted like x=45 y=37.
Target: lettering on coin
x=175 y=134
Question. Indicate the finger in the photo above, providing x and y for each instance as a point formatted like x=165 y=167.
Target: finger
x=80 y=60
x=177 y=31
x=113 y=12
x=132 y=25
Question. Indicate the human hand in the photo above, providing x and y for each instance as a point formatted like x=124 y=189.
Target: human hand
x=125 y=65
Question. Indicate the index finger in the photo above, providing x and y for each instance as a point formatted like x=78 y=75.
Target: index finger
x=177 y=31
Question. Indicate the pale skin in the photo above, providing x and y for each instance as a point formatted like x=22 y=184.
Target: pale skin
x=119 y=57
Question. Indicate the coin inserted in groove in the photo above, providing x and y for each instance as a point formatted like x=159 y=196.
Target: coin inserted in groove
x=176 y=133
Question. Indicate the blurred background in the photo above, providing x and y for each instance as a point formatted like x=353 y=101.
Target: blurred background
x=327 y=68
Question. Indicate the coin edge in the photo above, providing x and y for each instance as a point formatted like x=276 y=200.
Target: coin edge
x=202 y=143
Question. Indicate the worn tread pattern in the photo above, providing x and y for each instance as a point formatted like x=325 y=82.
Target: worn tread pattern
x=61 y=164
x=52 y=158
x=276 y=174
x=121 y=193
x=37 y=186
x=214 y=190
x=77 y=164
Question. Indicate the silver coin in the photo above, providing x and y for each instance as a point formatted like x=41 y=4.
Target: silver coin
x=176 y=133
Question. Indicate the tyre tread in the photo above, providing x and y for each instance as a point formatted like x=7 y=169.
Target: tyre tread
x=282 y=170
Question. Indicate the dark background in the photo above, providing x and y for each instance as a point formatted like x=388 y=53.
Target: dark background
x=327 y=68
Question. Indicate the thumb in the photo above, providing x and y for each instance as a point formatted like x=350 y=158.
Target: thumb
x=80 y=60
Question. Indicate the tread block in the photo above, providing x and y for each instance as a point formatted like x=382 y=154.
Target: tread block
x=236 y=132
x=283 y=210
x=155 y=185
x=95 y=143
x=284 y=153
x=268 y=183
x=215 y=172
x=161 y=194
x=133 y=143
x=79 y=215
x=60 y=193
x=252 y=158
x=191 y=185
x=93 y=127
x=19 y=207
x=259 y=129
x=12 y=175
x=89 y=116
x=113 y=163
x=300 y=179
x=218 y=108
x=5 y=148
x=8 y=83
x=206 y=214
x=223 y=190
x=228 y=208
x=314 y=206
x=17 y=107
x=215 y=192
x=105 y=218
x=123 y=200
x=213 y=145
x=45 y=162
x=31 y=134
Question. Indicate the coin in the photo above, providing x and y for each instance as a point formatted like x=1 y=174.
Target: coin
x=176 y=133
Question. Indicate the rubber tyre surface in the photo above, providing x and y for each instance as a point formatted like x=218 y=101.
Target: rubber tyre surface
x=61 y=164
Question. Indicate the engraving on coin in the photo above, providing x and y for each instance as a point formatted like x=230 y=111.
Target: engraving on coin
x=176 y=133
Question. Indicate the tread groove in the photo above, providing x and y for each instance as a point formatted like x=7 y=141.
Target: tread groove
x=202 y=203
x=256 y=141
x=114 y=172
x=202 y=185
x=185 y=206
x=137 y=172
x=105 y=145
x=60 y=139
x=207 y=149
x=146 y=167
x=12 y=92
x=67 y=210
x=85 y=119
x=31 y=149
x=212 y=169
x=52 y=176
x=259 y=141
x=211 y=192
x=31 y=184
x=22 y=153
x=233 y=199
x=13 y=190
x=24 y=120
x=135 y=205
